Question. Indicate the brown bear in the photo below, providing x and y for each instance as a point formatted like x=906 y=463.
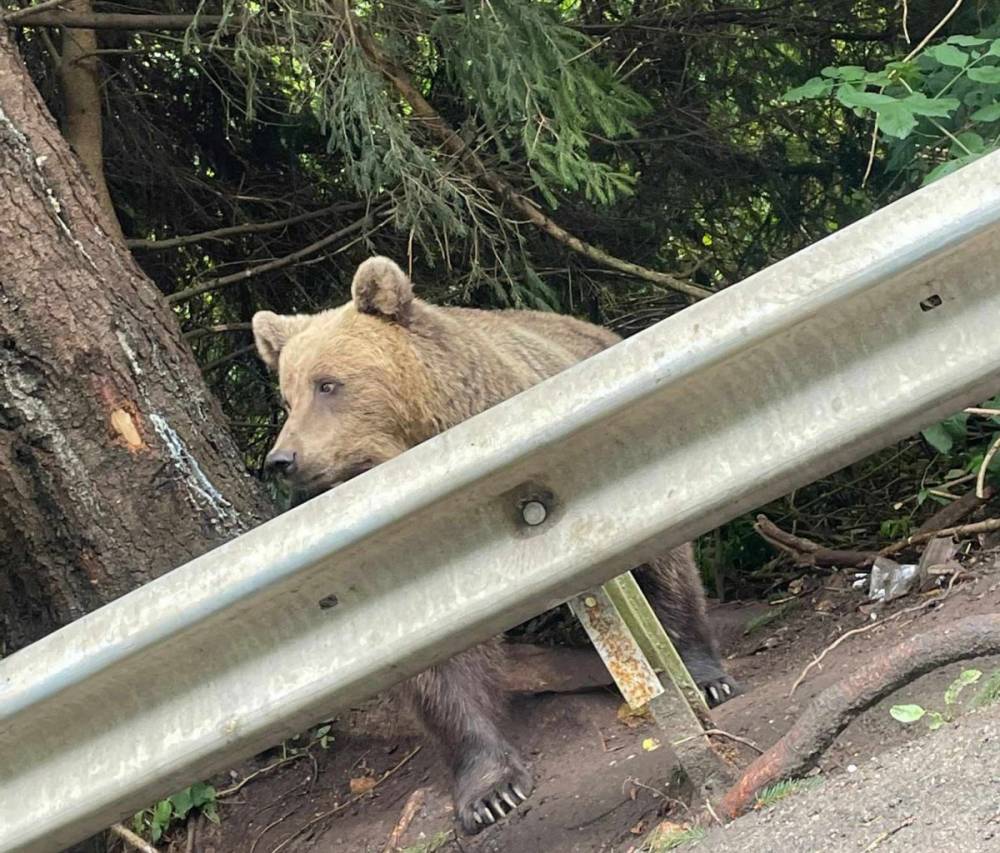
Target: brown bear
x=363 y=383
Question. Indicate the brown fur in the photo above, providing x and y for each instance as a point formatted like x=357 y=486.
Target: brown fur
x=368 y=380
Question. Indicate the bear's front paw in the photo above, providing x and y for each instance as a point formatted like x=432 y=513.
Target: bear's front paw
x=490 y=788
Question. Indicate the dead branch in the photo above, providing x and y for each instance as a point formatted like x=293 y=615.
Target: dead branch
x=348 y=802
x=807 y=553
x=833 y=709
x=49 y=17
x=17 y=14
x=961 y=530
x=270 y=266
x=233 y=230
x=456 y=146
x=217 y=329
x=130 y=837
x=413 y=804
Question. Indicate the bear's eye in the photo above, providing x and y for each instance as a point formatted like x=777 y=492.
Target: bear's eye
x=327 y=386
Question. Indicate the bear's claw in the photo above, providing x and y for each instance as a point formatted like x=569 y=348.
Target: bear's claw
x=497 y=802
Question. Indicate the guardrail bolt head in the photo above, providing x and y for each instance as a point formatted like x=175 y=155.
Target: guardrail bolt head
x=590 y=601
x=534 y=513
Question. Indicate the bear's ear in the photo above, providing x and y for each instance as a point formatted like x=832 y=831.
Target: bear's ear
x=380 y=287
x=272 y=331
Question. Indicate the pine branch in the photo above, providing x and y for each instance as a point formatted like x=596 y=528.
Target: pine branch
x=454 y=145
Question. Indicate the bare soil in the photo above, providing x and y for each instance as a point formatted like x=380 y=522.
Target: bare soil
x=597 y=788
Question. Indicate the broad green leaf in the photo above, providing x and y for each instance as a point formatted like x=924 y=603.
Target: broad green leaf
x=966 y=41
x=812 y=88
x=162 y=812
x=937 y=436
x=182 y=802
x=896 y=119
x=924 y=106
x=989 y=74
x=906 y=713
x=994 y=49
x=947 y=54
x=934 y=720
x=946 y=169
x=968 y=142
x=968 y=676
x=851 y=97
x=990 y=113
x=849 y=73
x=201 y=793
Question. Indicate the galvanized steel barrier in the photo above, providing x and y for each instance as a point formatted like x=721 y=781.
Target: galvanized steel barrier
x=859 y=340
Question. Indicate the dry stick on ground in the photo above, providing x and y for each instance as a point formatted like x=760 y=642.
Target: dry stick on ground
x=942 y=523
x=985 y=526
x=130 y=837
x=806 y=552
x=413 y=804
x=981 y=478
x=720 y=733
x=456 y=146
x=831 y=711
x=346 y=803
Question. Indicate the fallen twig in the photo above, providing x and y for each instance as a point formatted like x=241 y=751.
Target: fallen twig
x=807 y=553
x=961 y=530
x=348 y=802
x=129 y=837
x=833 y=709
x=725 y=734
x=885 y=836
x=413 y=804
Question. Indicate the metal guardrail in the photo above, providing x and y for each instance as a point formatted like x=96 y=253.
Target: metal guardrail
x=835 y=352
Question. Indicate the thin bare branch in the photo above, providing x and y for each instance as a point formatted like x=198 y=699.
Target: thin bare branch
x=270 y=266
x=17 y=14
x=108 y=21
x=233 y=230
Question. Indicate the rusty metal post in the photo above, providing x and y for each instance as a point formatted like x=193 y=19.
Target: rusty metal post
x=633 y=645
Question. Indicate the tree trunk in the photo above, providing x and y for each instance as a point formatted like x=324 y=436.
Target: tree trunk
x=80 y=76
x=115 y=463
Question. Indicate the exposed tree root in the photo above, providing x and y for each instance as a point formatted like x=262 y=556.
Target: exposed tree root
x=831 y=711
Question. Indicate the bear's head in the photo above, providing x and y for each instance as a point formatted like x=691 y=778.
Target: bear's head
x=354 y=389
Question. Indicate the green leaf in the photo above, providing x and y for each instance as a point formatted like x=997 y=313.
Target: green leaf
x=202 y=793
x=947 y=54
x=934 y=720
x=182 y=803
x=989 y=74
x=939 y=438
x=966 y=41
x=947 y=168
x=851 y=97
x=968 y=142
x=848 y=73
x=967 y=677
x=924 y=106
x=986 y=114
x=896 y=120
x=162 y=812
x=812 y=88
x=906 y=713
x=994 y=48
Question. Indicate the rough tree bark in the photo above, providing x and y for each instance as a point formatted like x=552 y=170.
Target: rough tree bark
x=115 y=463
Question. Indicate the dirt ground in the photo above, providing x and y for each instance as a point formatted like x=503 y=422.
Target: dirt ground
x=597 y=788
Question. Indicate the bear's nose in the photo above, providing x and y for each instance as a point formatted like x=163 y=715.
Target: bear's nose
x=281 y=461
